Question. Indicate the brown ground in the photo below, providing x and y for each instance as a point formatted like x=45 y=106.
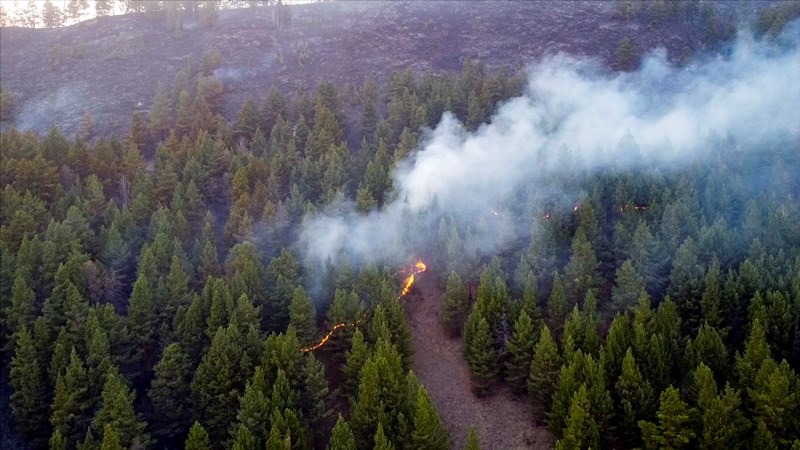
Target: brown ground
x=503 y=421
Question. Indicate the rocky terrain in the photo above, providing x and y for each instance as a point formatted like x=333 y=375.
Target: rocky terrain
x=110 y=66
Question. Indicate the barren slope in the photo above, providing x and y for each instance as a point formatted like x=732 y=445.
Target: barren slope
x=111 y=65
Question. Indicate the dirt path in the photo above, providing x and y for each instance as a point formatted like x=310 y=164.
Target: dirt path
x=502 y=421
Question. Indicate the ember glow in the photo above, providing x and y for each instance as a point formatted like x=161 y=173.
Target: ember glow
x=419 y=267
x=416 y=269
x=330 y=333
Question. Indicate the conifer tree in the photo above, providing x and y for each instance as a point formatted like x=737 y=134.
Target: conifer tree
x=57 y=441
x=117 y=410
x=557 y=306
x=358 y=354
x=472 y=439
x=756 y=351
x=170 y=395
x=341 y=436
x=303 y=316
x=111 y=439
x=313 y=397
x=635 y=398
x=198 y=438
x=479 y=350
x=29 y=395
x=381 y=441
x=429 y=432
x=627 y=288
x=543 y=372
x=520 y=351
x=674 y=428
x=141 y=328
x=214 y=387
x=455 y=304
x=255 y=409
x=581 y=430
x=71 y=403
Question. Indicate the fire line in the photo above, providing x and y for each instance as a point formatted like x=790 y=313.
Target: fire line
x=418 y=268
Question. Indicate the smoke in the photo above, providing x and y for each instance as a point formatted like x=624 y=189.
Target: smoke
x=37 y=113
x=574 y=113
x=228 y=74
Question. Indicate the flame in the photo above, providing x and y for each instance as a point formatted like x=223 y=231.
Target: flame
x=417 y=268
x=330 y=333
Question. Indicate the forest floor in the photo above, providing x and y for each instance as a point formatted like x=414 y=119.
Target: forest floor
x=503 y=421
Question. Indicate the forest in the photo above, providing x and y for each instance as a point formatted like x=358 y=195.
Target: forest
x=155 y=290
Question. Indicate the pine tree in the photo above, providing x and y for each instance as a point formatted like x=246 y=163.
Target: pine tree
x=215 y=385
x=29 y=397
x=520 y=351
x=141 y=328
x=381 y=441
x=358 y=354
x=580 y=274
x=341 y=436
x=581 y=430
x=635 y=398
x=543 y=372
x=483 y=359
x=627 y=288
x=57 y=441
x=756 y=351
x=557 y=306
x=472 y=439
x=117 y=411
x=674 y=423
x=313 y=397
x=22 y=311
x=198 y=438
x=170 y=395
x=303 y=316
x=255 y=409
x=71 y=403
x=111 y=439
x=429 y=432
x=455 y=304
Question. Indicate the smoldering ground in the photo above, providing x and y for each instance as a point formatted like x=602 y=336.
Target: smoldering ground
x=574 y=113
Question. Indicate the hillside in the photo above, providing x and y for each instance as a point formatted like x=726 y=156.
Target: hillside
x=111 y=65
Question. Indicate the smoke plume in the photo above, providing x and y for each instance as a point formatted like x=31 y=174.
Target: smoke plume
x=574 y=113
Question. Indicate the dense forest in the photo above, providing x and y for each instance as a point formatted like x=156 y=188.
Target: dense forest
x=153 y=294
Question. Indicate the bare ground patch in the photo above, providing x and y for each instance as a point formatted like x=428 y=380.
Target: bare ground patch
x=503 y=421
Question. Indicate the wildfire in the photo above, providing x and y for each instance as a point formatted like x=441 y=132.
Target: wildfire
x=417 y=268
x=330 y=333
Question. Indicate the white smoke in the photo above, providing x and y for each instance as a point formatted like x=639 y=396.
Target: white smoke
x=573 y=111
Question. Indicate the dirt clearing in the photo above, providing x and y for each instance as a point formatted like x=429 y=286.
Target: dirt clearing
x=503 y=421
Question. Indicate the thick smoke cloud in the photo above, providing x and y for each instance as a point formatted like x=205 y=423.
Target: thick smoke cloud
x=573 y=112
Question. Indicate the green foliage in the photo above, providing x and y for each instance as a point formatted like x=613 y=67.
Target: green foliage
x=341 y=436
x=674 y=428
x=479 y=350
x=170 y=395
x=28 y=401
x=544 y=372
x=198 y=438
x=455 y=305
x=472 y=439
x=520 y=352
x=116 y=410
x=429 y=431
x=581 y=430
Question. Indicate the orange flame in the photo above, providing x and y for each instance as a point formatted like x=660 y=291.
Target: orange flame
x=330 y=333
x=416 y=269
